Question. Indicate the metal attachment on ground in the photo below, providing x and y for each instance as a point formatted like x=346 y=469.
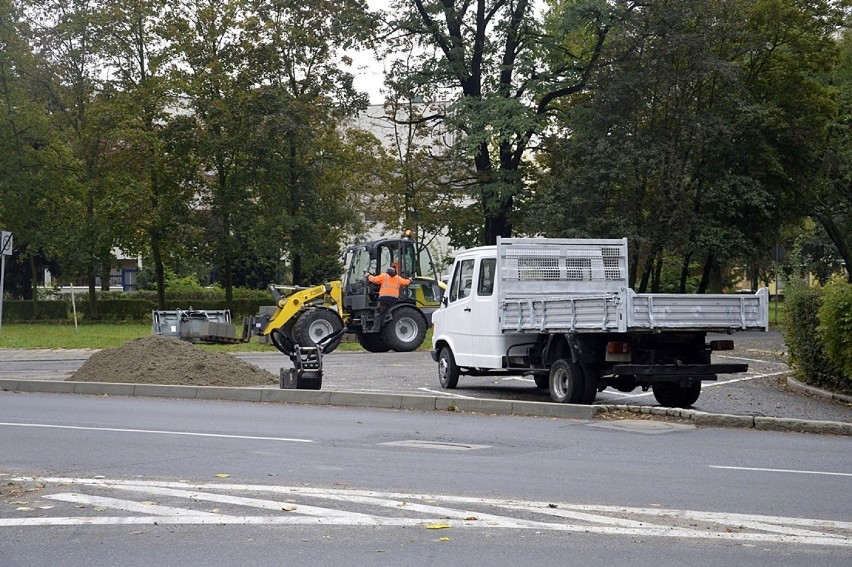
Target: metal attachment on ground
x=306 y=373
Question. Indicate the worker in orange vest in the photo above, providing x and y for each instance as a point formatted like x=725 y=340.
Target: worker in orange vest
x=390 y=285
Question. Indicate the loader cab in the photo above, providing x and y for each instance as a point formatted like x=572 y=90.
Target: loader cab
x=411 y=260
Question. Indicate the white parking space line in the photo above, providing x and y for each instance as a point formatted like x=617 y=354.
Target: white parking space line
x=757 y=360
x=743 y=379
x=157 y=432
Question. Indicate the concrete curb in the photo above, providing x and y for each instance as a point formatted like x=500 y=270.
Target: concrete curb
x=422 y=403
x=743 y=421
x=814 y=391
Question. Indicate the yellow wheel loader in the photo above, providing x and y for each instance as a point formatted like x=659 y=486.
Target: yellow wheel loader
x=322 y=314
x=307 y=315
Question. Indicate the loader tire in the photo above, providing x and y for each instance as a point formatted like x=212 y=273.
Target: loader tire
x=314 y=324
x=406 y=330
x=373 y=342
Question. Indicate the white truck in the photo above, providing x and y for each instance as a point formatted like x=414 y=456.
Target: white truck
x=561 y=311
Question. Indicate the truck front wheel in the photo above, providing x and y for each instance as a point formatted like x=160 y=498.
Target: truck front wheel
x=406 y=329
x=448 y=372
x=674 y=395
x=315 y=324
x=567 y=383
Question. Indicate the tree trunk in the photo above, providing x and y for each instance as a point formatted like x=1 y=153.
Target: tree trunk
x=684 y=273
x=632 y=269
x=498 y=225
x=646 y=273
x=839 y=241
x=705 y=276
x=296 y=268
x=93 y=295
x=658 y=269
x=159 y=270
x=32 y=292
x=105 y=278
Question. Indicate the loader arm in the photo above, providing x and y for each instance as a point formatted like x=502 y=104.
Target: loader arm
x=329 y=294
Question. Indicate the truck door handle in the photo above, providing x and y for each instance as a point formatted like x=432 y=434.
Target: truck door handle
x=467 y=309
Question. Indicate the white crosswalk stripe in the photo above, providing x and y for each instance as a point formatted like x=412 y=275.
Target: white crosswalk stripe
x=188 y=503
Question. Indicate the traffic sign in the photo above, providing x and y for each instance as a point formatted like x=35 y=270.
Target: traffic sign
x=6 y=243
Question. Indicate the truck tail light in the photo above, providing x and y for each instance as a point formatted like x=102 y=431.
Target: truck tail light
x=618 y=348
x=722 y=345
x=618 y=352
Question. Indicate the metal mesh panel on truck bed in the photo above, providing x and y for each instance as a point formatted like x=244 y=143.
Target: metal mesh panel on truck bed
x=558 y=266
x=559 y=285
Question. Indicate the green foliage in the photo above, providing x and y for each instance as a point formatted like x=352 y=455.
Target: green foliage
x=807 y=351
x=184 y=284
x=20 y=310
x=835 y=326
x=120 y=310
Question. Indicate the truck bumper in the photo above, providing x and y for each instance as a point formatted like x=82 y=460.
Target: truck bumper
x=703 y=371
x=434 y=355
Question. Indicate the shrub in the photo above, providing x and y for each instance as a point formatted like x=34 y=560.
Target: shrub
x=807 y=354
x=124 y=309
x=835 y=326
x=22 y=310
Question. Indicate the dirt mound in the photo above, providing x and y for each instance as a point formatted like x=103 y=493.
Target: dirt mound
x=163 y=360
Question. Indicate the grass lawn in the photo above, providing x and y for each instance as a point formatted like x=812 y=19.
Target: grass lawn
x=108 y=335
x=93 y=335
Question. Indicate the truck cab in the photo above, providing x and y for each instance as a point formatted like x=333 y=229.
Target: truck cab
x=470 y=313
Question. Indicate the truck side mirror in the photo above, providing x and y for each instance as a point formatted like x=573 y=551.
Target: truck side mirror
x=444 y=300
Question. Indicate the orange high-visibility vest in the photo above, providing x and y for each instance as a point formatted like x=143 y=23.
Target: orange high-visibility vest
x=389 y=285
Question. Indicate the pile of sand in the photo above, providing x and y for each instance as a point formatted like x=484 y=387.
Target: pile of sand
x=164 y=360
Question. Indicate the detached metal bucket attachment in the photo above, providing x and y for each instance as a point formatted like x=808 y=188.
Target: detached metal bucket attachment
x=306 y=373
x=195 y=325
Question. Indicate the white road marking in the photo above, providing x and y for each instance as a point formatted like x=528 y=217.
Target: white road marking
x=125 y=505
x=158 y=432
x=444 y=393
x=743 y=379
x=758 y=360
x=757 y=469
x=424 y=509
x=625 y=395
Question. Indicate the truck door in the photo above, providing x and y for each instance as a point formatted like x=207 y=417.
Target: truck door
x=458 y=320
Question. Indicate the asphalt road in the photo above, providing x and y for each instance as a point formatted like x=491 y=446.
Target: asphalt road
x=763 y=391
x=93 y=480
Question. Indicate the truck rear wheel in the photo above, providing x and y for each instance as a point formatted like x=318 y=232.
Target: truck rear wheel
x=566 y=382
x=674 y=395
x=590 y=383
x=448 y=372
x=373 y=342
x=406 y=329
x=315 y=324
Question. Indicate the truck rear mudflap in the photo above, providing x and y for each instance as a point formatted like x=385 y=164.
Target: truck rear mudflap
x=665 y=372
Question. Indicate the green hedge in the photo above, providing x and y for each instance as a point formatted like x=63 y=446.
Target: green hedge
x=122 y=308
x=835 y=325
x=808 y=353
x=17 y=310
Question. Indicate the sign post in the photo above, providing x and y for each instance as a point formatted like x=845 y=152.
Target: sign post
x=777 y=254
x=5 y=250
